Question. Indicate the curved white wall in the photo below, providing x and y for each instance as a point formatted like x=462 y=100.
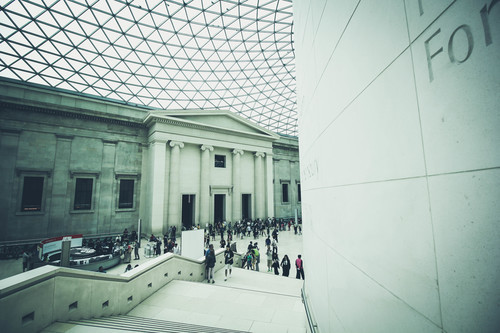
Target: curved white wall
x=400 y=163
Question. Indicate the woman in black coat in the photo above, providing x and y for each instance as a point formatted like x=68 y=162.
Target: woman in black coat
x=285 y=263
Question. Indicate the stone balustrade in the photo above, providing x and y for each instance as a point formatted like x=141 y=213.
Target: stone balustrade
x=33 y=300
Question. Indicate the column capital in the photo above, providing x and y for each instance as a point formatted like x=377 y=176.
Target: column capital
x=238 y=151
x=176 y=143
x=207 y=147
x=259 y=154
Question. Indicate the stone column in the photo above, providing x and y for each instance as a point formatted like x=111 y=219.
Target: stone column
x=174 y=201
x=204 y=184
x=59 y=206
x=157 y=185
x=269 y=185
x=105 y=199
x=259 y=185
x=237 y=153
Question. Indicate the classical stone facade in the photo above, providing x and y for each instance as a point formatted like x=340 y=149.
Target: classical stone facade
x=287 y=194
x=74 y=164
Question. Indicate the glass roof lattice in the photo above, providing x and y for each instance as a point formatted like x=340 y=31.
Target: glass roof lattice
x=175 y=55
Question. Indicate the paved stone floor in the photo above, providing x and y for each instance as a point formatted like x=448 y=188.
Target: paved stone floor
x=289 y=244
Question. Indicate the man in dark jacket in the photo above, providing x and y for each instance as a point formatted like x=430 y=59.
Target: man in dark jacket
x=210 y=263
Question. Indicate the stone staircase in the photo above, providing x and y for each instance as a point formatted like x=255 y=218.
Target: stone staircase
x=140 y=324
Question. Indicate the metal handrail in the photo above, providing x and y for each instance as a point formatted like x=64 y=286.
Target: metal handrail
x=312 y=325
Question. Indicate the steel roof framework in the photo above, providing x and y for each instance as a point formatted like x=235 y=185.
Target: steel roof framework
x=199 y=54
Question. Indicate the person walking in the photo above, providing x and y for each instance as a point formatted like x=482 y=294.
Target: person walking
x=210 y=263
x=299 y=265
x=285 y=263
x=228 y=260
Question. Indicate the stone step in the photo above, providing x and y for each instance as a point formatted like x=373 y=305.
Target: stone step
x=140 y=324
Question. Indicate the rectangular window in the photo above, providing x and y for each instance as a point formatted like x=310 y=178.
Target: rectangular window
x=299 y=195
x=220 y=161
x=32 y=194
x=83 y=194
x=284 y=191
x=126 y=198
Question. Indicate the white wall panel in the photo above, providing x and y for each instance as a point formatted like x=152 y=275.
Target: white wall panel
x=400 y=168
x=459 y=106
x=368 y=45
x=360 y=147
x=465 y=216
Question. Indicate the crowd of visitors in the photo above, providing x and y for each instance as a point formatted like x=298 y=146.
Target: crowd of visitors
x=247 y=228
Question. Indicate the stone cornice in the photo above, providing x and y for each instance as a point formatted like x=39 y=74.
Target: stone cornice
x=20 y=171
x=68 y=114
x=10 y=131
x=128 y=175
x=64 y=137
x=151 y=119
x=285 y=147
x=81 y=173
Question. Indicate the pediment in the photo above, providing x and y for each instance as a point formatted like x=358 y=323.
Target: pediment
x=217 y=120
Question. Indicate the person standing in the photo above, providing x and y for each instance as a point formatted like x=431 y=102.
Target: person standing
x=285 y=263
x=249 y=259
x=256 y=253
x=299 y=265
x=228 y=260
x=176 y=249
x=26 y=259
x=136 y=251
x=276 y=264
x=210 y=263
x=269 y=254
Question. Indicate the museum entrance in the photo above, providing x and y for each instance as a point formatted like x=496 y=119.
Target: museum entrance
x=246 y=206
x=188 y=210
x=219 y=207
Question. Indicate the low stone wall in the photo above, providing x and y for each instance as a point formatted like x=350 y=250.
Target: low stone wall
x=33 y=300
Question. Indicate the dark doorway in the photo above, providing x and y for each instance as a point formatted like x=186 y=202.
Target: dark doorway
x=246 y=206
x=188 y=210
x=219 y=205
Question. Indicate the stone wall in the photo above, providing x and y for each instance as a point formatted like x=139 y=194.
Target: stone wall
x=61 y=146
x=286 y=170
x=64 y=138
x=399 y=135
